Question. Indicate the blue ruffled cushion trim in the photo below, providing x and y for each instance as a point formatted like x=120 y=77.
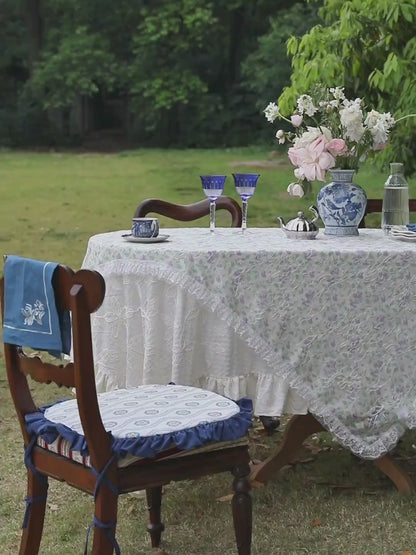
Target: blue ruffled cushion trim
x=191 y=438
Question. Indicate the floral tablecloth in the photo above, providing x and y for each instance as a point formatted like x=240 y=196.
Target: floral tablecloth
x=326 y=325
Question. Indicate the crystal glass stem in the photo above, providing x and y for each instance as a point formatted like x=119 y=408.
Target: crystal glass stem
x=244 y=218
x=212 y=216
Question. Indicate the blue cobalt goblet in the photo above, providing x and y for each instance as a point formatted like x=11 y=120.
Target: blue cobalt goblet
x=245 y=184
x=213 y=186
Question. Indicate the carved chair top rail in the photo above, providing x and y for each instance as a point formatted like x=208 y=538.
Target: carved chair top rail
x=189 y=212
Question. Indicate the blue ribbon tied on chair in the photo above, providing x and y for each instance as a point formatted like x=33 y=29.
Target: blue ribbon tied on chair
x=31 y=317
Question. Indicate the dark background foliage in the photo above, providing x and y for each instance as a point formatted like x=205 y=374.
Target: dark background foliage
x=160 y=73
x=196 y=73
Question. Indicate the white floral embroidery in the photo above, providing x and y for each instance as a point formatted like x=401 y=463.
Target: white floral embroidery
x=33 y=313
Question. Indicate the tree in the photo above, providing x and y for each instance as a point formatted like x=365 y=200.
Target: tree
x=186 y=82
x=81 y=64
x=73 y=51
x=178 y=63
x=267 y=69
x=173 y=65
x=368 y=47
x=165 y=73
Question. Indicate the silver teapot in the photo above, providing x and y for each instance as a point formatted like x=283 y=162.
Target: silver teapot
x=301 y=227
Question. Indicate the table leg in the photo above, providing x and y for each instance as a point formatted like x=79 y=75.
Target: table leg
x=299 y=428
x=397 y=475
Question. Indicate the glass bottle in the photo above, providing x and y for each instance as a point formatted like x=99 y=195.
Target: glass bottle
x=395 y=209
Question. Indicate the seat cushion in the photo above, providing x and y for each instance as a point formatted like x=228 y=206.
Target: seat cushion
x=146 y=421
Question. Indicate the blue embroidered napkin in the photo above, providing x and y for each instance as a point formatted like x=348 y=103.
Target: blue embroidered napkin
x=31 y=317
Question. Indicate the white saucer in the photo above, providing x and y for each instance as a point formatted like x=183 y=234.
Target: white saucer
x=402 y=231
x=157 y=239
x=399 y=237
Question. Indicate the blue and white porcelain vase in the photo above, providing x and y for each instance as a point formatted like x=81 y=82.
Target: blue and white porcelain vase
x=341 y=204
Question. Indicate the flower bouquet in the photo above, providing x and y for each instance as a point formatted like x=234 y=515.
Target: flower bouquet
x=330 y=131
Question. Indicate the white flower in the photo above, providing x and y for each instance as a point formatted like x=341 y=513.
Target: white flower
x=295 y=190
x=271 y=111
x=329 y=105
x=33 y=313
x=306 y=105
x=281 y=137
x=351 y=117
x=338 y=93
x=379 y=126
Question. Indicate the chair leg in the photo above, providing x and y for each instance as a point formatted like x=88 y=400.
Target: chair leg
x=242 y=510
x=37 y=491
x=105 y=522
x=154 y=506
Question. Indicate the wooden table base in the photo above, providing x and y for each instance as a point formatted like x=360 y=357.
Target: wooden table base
x=301 y=427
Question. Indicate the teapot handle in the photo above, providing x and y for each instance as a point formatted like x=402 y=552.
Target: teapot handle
x=315 y=211
x=282 y=222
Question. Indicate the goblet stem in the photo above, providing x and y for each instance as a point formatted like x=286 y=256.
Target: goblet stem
x=212 y=216
x=244 y=218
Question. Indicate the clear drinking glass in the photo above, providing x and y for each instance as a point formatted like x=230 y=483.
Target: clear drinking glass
x=213 y=186
x=245 y=184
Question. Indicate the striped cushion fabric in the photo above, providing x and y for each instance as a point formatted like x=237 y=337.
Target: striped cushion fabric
x=62 y=447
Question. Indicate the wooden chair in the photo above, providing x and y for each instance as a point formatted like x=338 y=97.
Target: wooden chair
x=189 y=212
x=94 y=462
x=375 y=205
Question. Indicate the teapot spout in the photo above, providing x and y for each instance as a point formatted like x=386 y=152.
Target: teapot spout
x=282 y=222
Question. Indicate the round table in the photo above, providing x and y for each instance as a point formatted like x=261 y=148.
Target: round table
x=324 y=325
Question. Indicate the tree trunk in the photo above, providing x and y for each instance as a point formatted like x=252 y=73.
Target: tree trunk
x=34 y=24
x=237 y=24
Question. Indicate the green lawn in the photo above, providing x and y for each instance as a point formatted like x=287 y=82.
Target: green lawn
x=52 y=202
x=328 y=502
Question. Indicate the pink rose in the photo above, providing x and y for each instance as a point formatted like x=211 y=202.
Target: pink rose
x=311 y=134
x=317 y=168
x=336 y=147
x=318 y=145
x=295 y=190
x=313 y=160
x=296 y=120
x=296 y=155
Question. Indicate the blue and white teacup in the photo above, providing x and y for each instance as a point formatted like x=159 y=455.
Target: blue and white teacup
x=145 y=227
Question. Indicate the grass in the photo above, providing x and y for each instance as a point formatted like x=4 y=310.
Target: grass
x=51 y=203
x=328 y=502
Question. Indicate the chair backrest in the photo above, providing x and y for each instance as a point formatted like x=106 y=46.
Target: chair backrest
x=375 y=205
x=81 y=293
x=189 y=212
